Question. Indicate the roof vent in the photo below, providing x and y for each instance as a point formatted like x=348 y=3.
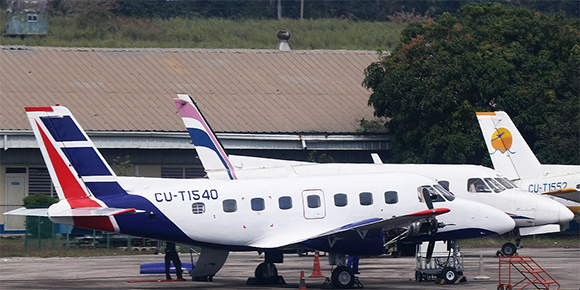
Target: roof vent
x=283 y=36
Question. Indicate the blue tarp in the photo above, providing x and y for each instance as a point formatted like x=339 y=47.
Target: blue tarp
x=159 y=268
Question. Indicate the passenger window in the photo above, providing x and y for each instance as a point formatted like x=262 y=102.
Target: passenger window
x=257 y=204
x=230 y=205
x=340 y=199
x=391 y=197
x=313 y=201
x=365 y=198
x=198 y=208
x=285 y=202
x=477 y=185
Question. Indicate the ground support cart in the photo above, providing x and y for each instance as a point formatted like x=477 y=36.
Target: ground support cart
x=446 y=262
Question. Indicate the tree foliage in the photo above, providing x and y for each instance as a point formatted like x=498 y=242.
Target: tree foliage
x=490 y=57
x=363 y=10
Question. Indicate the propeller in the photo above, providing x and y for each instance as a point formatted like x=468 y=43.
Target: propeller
x=433 y=224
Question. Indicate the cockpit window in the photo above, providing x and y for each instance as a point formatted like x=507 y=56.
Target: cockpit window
x=477 y=185
x=510 y=182
x=444 y=183
x=494 y=185
x=505 y=182
x=446 y=193
x=435 y=197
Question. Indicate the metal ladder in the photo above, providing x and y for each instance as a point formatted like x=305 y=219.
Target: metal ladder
x=531 y=274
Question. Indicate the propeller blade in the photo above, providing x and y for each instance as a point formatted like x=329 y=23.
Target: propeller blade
x=427 y=197
x=430 y=248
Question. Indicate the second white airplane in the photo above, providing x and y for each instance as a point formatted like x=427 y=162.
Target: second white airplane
x=512 y=156
x=533 y=214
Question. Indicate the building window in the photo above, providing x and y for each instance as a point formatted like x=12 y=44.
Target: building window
x=32 y=17
x=182 y=172
x=366 y=198
x=285 y=202
x=39 y=182
x=313 y=201
x=391 y=197
x=198 y=208
x=340 y=199
x=258 y=204
x=230 y=205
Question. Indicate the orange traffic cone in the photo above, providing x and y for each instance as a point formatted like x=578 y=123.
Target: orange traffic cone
x=302 y=285
x=316 y=269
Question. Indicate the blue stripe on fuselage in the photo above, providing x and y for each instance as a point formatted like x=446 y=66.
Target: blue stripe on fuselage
x=462 y=234
x=150 y=224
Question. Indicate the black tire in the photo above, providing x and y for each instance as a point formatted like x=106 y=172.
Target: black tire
x=266 y=273
x=342 y=277
x=449 y=275
x=508 y=249
x=418 y=276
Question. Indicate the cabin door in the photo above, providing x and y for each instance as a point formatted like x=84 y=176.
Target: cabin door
x=313 y=204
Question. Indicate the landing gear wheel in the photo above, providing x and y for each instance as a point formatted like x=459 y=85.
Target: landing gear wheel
x=449 y=275
x=418 y=276
x=508 y=249
x=342 y=277
x=266 y=273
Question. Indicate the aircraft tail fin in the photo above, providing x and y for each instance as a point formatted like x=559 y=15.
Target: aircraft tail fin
x=509 y=152
x=81 y=176
x=210 y=151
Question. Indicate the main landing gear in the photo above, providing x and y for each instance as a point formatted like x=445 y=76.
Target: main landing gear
x=266 y=273
x=509 y=249
x=342 y=277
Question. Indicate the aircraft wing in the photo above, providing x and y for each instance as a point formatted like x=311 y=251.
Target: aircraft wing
x=566 y=193
x=297 y=235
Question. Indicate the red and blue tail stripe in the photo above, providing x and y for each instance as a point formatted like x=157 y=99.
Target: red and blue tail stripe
x=85 y=183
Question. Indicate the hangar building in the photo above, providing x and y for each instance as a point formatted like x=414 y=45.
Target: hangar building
x=268 y=103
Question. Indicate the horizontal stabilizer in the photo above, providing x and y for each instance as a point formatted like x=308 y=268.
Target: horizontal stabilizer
x=76 y=212
x=28 y=212
x=566 y=193
x=94 y=212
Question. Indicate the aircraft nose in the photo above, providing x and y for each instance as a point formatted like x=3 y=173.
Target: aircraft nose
x=505 y=223
x=564 y=214
x=488 y=217
x=551 y=212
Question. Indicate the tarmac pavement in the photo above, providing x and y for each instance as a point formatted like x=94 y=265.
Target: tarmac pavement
x=383 y=272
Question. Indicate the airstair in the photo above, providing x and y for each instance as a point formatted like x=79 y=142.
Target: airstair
x=530 y=274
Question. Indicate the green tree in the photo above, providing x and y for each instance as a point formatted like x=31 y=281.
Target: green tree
x=490 y=57
x=123 y=167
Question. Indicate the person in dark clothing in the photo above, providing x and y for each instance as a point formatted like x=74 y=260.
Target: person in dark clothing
x=353 y=263
x=172 y=256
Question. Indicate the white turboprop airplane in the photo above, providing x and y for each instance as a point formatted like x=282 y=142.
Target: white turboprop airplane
x=512 y=157
x=347 y=214
x=533 y=214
